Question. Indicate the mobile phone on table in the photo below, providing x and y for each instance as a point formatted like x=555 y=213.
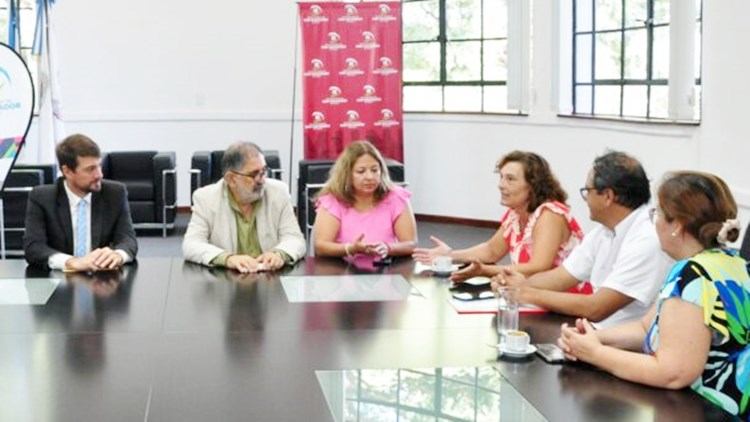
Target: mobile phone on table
x=383 y=262
x=550 y=352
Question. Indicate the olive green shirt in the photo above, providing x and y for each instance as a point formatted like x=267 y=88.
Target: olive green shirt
x=247 y=236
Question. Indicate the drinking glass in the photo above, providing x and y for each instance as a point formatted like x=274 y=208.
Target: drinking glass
x=507 y=311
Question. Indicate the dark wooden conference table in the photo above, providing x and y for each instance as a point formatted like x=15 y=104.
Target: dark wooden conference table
x=166 y=340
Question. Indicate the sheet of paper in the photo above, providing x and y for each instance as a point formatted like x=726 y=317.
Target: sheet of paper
x=487 y=306
x=420 y=268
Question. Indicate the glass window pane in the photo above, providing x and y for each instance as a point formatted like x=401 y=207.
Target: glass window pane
x=495 y=18
x=27 y=19
x=661 y=11
x=488 y=406
x=495 y=60
x=697 y=102
x=583 y=100
x=4 y=26
x=351 y=380
x=608 y=56
x=607 y=100
x=458 y=400
x=636 y=51
x=466 y=375
x=487 y=377
x=636 y=13
x=462 y=60
x=351 y=409
x=463 y=19
x=417 y=389
x=698 y=51
x=495 y=99
x=421 y=20
x=423 y=98
x=634 y=100
x=660 y=68
x=463 y=98
x=608 y=14
x=584 y=15
x=376 y=412
x=659 y=101
x=421 y=62
x=405 y=415
x=380 y=385
x=584 y=68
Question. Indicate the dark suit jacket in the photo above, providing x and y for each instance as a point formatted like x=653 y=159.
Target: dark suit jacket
x=49 y=229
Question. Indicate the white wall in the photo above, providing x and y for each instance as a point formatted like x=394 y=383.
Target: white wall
x=174 y=75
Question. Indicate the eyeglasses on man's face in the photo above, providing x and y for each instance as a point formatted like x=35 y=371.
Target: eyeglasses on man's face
x=255 y=175
x=585 y=192
x=653 y=213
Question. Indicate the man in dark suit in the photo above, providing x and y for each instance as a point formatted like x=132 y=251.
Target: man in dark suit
x=81 y=223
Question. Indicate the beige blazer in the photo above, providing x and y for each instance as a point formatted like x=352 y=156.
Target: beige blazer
x=213 y=229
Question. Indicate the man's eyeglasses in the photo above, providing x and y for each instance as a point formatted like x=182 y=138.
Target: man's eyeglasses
x=652 y=214
x=255 y=175
x=585 y=193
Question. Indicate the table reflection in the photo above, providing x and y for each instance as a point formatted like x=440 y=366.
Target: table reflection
x=451 y=394
x=243 y=299
x=633 y=402
x=347 y=288
x=27 y=291
x=82 y=304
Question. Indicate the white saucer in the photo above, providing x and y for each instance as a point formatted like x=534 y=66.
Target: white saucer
x=478 y=281
x=515 y=354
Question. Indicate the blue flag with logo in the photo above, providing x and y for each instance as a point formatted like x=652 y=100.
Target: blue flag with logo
x=14 y=35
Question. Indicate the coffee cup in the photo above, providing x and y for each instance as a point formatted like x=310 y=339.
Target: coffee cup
x=442 y=264
x=517 y=341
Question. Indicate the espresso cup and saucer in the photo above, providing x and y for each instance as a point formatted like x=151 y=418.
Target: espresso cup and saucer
x=442 y=266
x=516 y=344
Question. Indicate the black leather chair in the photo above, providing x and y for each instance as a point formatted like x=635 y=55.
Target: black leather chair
x=745 y=248
x=20 y=181
x=312 y=177
x=151 y=180
x=205 y=167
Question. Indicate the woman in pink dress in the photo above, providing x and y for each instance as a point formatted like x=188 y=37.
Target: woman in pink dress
x=537 y=230
x=360 y=211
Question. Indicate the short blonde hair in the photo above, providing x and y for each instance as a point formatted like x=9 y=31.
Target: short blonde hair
x=339 y=182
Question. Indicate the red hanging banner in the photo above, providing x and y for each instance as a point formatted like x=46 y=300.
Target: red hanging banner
x=352 y=77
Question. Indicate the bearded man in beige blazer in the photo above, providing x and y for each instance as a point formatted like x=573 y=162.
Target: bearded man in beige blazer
x=244 y=221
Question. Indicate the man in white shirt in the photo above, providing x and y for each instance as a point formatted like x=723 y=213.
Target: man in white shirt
x=80 y=223
x=621 y=257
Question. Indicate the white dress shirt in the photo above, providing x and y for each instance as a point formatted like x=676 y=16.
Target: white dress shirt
x=57 y=261
x=628 y=260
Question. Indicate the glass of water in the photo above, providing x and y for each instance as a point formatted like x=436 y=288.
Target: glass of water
x=507 y=311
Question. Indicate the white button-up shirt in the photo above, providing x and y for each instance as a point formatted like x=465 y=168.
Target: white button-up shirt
x=628 y=260
x=57 y=261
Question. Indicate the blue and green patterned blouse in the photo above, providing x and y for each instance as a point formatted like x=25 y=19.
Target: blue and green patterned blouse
x=716 y=280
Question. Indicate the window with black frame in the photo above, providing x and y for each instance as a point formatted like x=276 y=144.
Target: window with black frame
x=455 y=55
x=622 y=53
x=26 y=16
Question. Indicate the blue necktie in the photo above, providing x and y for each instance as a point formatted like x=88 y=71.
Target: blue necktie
x=81 y=230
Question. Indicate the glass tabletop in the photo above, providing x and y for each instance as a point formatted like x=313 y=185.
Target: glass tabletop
x=427 y=394
x=27 y=291
x=348 y=288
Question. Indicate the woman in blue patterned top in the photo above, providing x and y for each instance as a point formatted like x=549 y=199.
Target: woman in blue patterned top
x=697 y=334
